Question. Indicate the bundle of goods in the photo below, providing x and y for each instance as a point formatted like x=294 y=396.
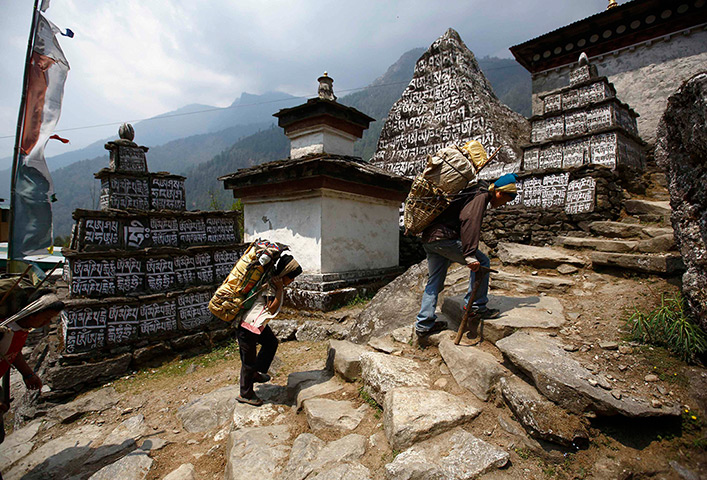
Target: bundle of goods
x=448 y=172
x=241 y=287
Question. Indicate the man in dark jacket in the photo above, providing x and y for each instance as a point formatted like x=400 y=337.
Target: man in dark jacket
x=454 y=237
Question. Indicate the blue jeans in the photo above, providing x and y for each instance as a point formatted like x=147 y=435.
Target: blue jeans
x=439 y=255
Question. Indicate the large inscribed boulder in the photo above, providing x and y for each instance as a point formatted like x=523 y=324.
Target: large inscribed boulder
x=449 y=101
x=681 y=149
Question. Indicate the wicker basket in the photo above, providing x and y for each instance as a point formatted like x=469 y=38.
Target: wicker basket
x=424 y=203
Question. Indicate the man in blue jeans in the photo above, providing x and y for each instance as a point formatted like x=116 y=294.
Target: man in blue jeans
x=454 y=237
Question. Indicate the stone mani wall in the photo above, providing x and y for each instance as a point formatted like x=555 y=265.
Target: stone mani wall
x=644 y=75
x=568 y=199
x=448 y=101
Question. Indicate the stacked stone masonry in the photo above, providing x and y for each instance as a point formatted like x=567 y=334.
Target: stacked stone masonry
x=144 y=272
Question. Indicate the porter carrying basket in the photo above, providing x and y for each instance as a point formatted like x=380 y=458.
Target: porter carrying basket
x=447 y=172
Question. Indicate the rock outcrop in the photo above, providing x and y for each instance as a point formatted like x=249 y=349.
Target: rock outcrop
x=681 y=149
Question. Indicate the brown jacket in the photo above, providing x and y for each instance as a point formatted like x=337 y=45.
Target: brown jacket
x=461 y=220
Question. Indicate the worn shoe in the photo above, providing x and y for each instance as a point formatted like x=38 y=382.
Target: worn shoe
x=437 y=327
x=260 y=377
x=255 y=401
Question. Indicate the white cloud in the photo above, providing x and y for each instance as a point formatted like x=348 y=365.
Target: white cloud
x=134 y=59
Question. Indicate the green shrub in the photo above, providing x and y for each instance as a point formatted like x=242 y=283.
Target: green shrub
x=670 y=326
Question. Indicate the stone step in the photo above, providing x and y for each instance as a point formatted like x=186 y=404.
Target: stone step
x=625 y=230
x=658 y=244
x=599 y=244
x=662 y=263
x=533 y=312
x=647 y=207
x=523 y=284
x=539 y=257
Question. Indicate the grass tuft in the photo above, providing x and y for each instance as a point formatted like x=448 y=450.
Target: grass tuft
x=669 y=326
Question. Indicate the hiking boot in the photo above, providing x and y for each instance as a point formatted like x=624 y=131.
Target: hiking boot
x=260 y=377
x=486 y=313
x=254 y=400
x=436 y=327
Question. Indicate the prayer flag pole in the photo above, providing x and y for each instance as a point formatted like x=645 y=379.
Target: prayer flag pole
x=18 y=139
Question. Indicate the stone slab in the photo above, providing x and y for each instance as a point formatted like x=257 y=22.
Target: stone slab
x=598 y=244
x=96 y=401
x=636 y=206
x=345 y=359
x=536 y=312
x=611 y=229
x=454 y=455
x=340 y=416
x=133 y=466
x=18 y=444
x=524 y=284
x=564 y=380
x=122 y=438
x=184 y=472
x=256 y=452
x=56 y=455
x=209 y=411
x=539 y=257
x=382 y=373
x=311 y=454
x=667 y=263
x=473 y=369
x=542 y=418
x=413 y=414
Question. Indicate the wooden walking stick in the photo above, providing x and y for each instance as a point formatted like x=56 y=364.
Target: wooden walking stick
x=467 y=312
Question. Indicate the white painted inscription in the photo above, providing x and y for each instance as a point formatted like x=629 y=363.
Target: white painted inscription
x=580 y=196
x=554 y=190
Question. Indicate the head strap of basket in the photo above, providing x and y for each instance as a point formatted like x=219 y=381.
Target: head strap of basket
x=476 y=153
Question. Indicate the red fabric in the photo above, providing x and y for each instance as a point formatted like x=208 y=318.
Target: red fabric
x=57 y=137
x=34 y=106
x=18 y=341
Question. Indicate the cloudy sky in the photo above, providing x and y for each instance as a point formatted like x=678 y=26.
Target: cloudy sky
x=134 y=59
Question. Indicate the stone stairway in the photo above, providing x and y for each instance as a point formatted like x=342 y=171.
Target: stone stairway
x=641 y=242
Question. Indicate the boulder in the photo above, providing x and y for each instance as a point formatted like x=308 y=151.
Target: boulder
x=123 y=438
x=473 y=369
x=133 y=466
x=96 y=401
x=412 y=414
x=256 y=452
x=209 y=411
x=453 y=455
x=184 y=472
x=542 y=418
x=344 y=358
x=384 y=344
x=562 y=379
x=324 y=414
x=382 y=373
x=681 y=150
x=536 y=312
x=403 y=334
x=666 y=263
x=56 y=457
x=18 y=444
x=394 y=306
x=539 y=257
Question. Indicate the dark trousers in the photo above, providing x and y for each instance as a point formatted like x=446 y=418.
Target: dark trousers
x=252 y=362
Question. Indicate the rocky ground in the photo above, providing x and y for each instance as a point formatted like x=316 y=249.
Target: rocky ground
x=554 y=391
